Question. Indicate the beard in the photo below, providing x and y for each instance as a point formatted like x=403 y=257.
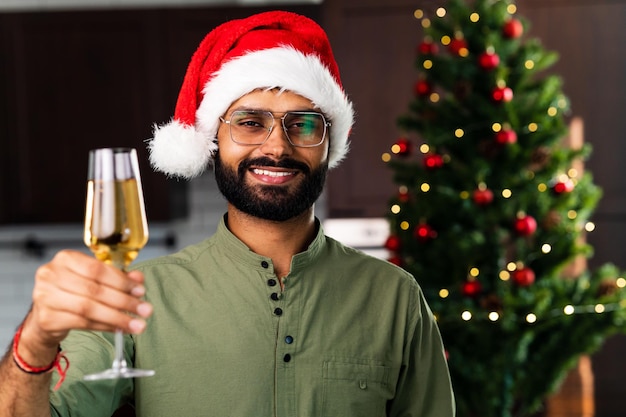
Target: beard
x=270 y=202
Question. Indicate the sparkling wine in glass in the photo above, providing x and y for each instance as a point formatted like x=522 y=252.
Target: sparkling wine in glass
x=115 y=227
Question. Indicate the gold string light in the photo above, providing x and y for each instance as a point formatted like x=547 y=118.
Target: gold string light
x=532 y=318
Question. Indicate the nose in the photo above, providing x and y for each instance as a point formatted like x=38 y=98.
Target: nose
x=277 y=144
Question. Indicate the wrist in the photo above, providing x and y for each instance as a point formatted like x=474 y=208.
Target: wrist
x=33 y=348
x=28 y=367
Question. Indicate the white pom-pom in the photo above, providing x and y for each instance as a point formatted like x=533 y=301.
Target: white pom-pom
x=179 y=150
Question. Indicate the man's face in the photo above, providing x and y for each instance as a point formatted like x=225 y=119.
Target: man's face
x=275 y=180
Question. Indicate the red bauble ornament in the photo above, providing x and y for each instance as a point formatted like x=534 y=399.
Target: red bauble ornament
x=525 y=225
x=524 y=277
x=427 y=48
x=488 y=60
x=456 y=45
x=424 y=233
x=512 y=29
x=563 y=187
x=471 y=288
x=506 y=136
x=482 y=196
x=396 y=260
x=422 y=88
x=502 y=94
x=403 y=147
x=433 y=161
x=393 y=243
x=403 y=196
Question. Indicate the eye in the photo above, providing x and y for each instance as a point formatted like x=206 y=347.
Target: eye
x=248 y=120
x=303 y=124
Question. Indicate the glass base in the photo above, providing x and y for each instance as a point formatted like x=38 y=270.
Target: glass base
x=114 y=373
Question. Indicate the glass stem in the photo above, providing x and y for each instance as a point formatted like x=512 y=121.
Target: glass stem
x=119 y=363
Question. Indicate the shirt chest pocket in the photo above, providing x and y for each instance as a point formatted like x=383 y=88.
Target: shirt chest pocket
x=356 y=389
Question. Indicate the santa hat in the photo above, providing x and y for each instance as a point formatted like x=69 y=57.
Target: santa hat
x=268 y=50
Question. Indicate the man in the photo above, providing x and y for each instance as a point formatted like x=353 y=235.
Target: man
x=268 y=317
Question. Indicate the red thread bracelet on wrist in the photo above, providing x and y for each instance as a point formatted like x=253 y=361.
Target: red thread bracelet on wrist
x=56 y=363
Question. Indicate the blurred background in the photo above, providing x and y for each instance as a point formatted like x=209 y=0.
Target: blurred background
x=81 y=74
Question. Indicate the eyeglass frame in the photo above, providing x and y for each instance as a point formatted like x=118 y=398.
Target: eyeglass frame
x=326 y=124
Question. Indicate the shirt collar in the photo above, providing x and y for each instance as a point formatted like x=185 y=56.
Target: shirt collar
x=238 y=251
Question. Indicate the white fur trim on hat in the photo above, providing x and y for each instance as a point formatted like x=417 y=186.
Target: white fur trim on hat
x=180 y=150
x=288 y=69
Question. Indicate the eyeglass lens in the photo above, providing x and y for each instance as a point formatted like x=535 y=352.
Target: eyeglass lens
x=254 y=127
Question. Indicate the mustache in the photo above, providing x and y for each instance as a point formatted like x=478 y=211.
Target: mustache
x=286 y=163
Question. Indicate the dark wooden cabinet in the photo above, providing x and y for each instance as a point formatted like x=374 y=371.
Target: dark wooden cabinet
x=75 y=81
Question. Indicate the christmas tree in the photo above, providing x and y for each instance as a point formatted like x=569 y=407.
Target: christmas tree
x=491 y=209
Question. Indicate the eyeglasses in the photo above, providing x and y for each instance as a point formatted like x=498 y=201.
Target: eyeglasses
x=254 y=127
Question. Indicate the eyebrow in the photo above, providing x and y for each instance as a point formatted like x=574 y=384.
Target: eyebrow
x=255 y=109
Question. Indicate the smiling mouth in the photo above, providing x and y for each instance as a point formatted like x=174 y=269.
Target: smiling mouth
x=275 y=174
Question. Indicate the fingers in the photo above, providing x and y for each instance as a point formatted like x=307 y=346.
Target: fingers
x=87 y=266
x=76 y=291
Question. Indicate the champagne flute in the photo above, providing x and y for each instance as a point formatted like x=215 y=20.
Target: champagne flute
x=115 y=227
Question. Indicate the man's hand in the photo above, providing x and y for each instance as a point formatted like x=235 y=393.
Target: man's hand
x=76 y=291
x=73 y=291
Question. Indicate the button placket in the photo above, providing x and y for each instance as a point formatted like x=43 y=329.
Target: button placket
x=276 y=296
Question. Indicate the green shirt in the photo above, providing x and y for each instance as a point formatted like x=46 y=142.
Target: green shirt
x=349 y=336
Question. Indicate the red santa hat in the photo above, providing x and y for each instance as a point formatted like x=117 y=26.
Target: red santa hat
x=268 y=50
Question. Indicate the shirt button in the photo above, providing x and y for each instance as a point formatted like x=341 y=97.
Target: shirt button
x=271 y=282
x=275 y=296
x=287 y=357
x=264 y=264
x=288 y=340
x=278 y=311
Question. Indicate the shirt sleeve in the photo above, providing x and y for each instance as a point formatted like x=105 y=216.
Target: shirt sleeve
x=90 y=352
x=424 y=388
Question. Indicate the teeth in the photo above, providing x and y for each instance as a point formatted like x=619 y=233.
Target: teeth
x=271 y=173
